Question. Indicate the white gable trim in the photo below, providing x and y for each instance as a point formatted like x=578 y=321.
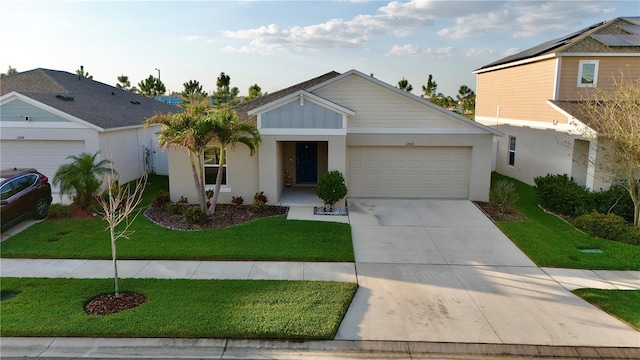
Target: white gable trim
x=17 y=96
x=301 y=95
x=452 y=115
x=441 y=131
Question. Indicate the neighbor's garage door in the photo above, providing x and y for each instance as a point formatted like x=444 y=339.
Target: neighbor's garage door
x=45 y=156
x=421 y=172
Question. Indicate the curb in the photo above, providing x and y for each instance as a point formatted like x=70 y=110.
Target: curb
x=16 y=347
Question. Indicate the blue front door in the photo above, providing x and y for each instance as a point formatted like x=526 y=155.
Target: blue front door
x=306 y=163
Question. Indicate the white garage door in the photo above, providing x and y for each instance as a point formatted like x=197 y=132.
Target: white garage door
x=45 y=156
x=420 y=172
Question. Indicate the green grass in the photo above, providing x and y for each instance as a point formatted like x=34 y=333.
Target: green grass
x=178 y=308
x=268 y=239
x=551 y=242
x=623 y=304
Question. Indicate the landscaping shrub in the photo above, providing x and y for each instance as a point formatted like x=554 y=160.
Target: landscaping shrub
x=161 y=199
x=610 y=226
x=194 y=215
x=59 y=211
x=560 y=194
x=615 y=200
x=175 y=208
x=503 y=195
x=237 y=200
x=259 y=201
x=331 y=187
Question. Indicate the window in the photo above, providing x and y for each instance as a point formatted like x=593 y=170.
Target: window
x=512 y=150
x=212 y=166
x=588 y=73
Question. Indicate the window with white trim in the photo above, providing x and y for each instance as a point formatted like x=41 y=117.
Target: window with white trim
x=588 y=73
x=512 y=150
x=212 y=165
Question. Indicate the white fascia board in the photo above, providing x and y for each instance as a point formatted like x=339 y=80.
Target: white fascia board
x=15 y=95
x=420 y=131
x=409 y=95
x=124 y=128
x=305 y=94
x=310 y=132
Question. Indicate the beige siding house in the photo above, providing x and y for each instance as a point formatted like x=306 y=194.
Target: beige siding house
x=387 y=143
x=535 y=97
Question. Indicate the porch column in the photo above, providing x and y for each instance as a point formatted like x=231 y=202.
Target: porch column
x=267 y=167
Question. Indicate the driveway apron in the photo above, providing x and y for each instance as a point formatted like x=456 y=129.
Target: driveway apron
x=441 y=271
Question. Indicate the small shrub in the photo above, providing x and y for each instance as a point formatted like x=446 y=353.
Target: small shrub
x=560 y=194
x=194 y=215
x=59 y=211
x=183 y=200
x=237 y=200
x=162 y=199
x=615 y=200
x=610 y=226
x=332 y=188
x=175 y=208
x=504 y=196
x=260 y=197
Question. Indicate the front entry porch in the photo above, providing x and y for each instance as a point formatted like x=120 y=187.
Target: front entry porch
x=299 y=196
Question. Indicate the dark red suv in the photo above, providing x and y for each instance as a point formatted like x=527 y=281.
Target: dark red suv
x=23 y=193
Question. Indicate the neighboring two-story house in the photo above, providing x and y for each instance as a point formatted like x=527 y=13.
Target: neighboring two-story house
x=536 y=98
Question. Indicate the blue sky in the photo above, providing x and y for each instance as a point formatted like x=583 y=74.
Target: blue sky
x=279 y=43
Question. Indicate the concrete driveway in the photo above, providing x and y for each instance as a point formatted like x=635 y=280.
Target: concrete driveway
x=441 y=271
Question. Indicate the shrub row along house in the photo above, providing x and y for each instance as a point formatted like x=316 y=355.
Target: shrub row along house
x=538 y=98
x=48 y=115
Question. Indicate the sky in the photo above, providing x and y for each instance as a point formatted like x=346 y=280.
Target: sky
x=276 y=44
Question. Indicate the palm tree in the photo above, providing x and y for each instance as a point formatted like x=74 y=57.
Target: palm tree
x=191 y=129
x=82 y=177
x=228 y=131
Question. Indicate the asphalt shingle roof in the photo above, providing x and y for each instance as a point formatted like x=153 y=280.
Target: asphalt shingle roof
x=97 y=103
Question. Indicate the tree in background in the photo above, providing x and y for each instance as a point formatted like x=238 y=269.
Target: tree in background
x=151 y=87
x=10 y=71
x=254 y=92
x=192 y=94
x=82 y=177
x=81 y=73
x=125 y=84
x=225 y=95
x=429 y=91
x=467 y=101
x=614 y=115
x=404 y=85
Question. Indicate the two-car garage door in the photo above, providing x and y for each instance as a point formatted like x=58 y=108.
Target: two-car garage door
x=409 y=172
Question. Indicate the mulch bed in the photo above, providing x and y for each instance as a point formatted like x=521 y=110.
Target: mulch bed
x=226 y=215
x=494 y=214
x=110 y=304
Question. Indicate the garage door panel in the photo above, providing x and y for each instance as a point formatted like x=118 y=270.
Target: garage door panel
x=409 y=172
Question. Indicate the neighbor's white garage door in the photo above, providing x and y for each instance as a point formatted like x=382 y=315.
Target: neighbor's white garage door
x=45 y=156
x=421 y=172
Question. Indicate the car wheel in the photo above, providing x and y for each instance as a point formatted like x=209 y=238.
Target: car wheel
x=41 y=209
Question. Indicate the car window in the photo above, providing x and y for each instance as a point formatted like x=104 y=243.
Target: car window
x=6 y=191
x=23 y=182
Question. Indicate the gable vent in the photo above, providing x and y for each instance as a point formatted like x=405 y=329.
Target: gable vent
x=64 y=97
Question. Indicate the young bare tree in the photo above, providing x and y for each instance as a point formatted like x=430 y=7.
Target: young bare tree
x=615 y=115
x=119 y=210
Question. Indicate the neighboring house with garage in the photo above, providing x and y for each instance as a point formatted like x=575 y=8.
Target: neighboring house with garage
x=48 y=115
x=536 y=97
x=387 y=143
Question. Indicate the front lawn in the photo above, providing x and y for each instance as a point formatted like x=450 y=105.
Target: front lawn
x=551 y=242
x=177 y=308
x=623 y=304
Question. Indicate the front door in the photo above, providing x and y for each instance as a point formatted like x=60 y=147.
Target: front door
x=306 y=163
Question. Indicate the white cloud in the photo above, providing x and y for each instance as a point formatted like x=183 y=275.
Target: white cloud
x=479 y=52
x=412 y=49
x=191 y=37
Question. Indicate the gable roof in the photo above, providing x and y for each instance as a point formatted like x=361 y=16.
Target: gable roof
x=619 y=35
x=302 y=94
x=244 y=108
x=99 y=104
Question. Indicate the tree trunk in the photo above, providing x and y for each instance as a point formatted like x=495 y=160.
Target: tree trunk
x=216 y=191
x=198 y=183
x=115 y=264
